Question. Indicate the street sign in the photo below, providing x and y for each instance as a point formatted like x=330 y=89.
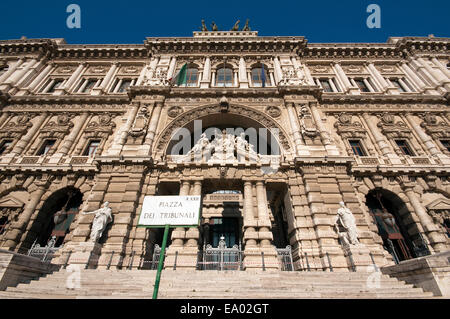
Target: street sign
x=170 y=210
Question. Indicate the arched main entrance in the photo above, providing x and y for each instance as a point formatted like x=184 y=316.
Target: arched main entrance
x=56 y=215
x=389 y=213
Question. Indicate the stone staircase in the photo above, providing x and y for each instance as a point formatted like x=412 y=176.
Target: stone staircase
x=138 y=284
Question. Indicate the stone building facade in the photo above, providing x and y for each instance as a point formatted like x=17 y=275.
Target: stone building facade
x=364 y=124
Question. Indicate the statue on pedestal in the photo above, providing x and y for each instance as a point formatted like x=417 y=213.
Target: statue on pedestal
x=346 y=219
x=236 y=26
x=246 y=27
x=204 y=28
x=214 y=26
x=102 y=218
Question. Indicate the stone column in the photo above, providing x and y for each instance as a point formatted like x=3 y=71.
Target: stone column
x=348 y=88
x=414 y=78
x=121 y=137
x=437 y=240
x=11 y=70
x=206 y=76
x=17 y=76
x=265 y=235
x=148 y=142
x=379 y=138
x=278 y=72
x=243 y=81
x=18 y=228
x=442 y=67
x=438 y=76
x=192 y=234
x=295 y=127
x=71 y=80
x=377 y=77
x=42 y=75
x=106 y=80
x=3 y=118
x=172 y=68
x=324 y=135
x=426 y=140
x=20 y=146
x=70 y=139
x=250 y=224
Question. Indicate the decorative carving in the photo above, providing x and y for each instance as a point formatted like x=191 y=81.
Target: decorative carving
x=435 y=128
x=306 y=122
x=140 y=123
x=273 y=111
x=393 y=129
x=174 y=111
x=348 y=129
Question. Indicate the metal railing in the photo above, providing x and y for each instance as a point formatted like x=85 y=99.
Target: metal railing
x=221 y=257
x=46 y=253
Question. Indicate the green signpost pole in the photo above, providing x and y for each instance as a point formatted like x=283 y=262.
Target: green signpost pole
x=161 y=262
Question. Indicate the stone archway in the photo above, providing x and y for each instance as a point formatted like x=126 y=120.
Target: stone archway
x=260 y=119
x=55 y=216
x=395 y=227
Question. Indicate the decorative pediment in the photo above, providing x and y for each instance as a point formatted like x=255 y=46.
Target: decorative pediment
x=103 y=125
x=62 y=125
x=393 y=129
x=439 y=204
x=17 y=128
x=435 y=128
x=11 y=202
x=348 y=129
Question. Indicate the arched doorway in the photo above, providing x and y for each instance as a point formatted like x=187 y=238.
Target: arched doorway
x=56 y=215
x=389 y=213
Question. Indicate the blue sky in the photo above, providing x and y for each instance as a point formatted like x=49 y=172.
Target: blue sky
x=131 y=21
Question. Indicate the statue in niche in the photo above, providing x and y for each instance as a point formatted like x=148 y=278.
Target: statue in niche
x=214 y=26
x=229 y=143
x=346 y=219
x=204 y=28
x=236 y=26
x=246 y=27
x=103 y=217
x=199 y=146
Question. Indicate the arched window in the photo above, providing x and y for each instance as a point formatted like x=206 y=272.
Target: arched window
x=260 y=77
x=191 y=77
x=224 y=77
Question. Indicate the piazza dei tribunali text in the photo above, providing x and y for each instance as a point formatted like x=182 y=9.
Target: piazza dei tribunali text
x=307 y=156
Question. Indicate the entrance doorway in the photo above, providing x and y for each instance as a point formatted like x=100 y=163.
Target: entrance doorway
x=227 y=227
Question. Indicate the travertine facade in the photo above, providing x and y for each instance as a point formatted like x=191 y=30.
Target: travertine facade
x=366 y=124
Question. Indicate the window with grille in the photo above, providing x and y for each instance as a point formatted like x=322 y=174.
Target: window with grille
x=91 y=149
x=357 y=147
x=191 y=77
x=257 y=78
x=45 y=148
x=404 y=147
x=224 y=77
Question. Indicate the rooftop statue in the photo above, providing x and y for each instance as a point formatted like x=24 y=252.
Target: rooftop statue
x=204 y=28
x=214 y=26
x=236 y=26
x=246 y=27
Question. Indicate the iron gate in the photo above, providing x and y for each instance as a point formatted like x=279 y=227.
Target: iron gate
x=285 y=258
x=46 y=253
x=221 y=258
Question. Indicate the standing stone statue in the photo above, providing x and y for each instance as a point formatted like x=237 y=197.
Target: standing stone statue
x=204 y=28
x=214 y=26
x=347 y=220
x=102 y=218
x=236 y=26
x=246 y=27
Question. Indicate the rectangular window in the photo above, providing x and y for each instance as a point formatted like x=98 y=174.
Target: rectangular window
x=4 y=146
x=397 y=84
x=357 y=147
x=446 y=144
x=45 y=148
x=404 y=147
x=326 y=85
x=91 y=149
x=87 y=85
x=126 y=83
x=52 y=85
x=362 y=86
